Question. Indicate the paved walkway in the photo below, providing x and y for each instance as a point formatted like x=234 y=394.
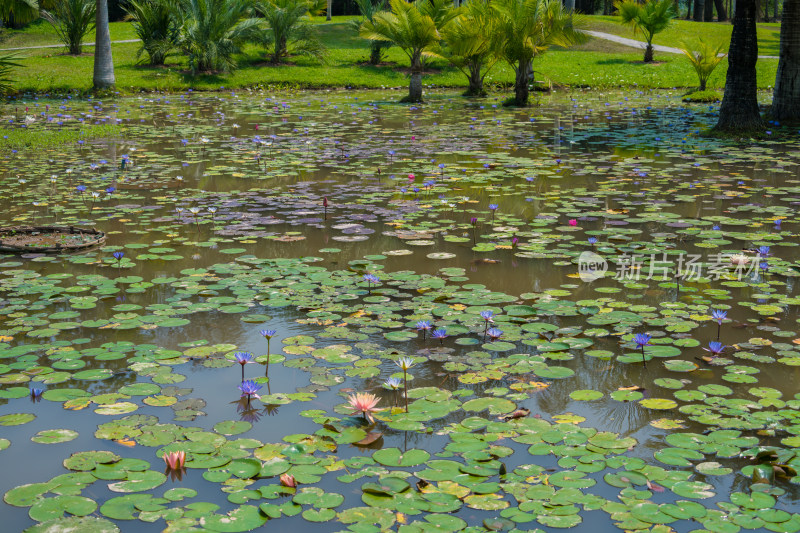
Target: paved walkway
x=633 y=43
x=61 y=45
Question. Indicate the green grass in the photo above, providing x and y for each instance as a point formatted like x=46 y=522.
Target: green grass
x=596 y=64
x=768 y=33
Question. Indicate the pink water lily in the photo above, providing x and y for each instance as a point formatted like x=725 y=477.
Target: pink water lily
x=175 y=460
x=364 y=403
x=287 y=480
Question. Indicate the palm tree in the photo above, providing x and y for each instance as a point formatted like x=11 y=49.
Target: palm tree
x=705 y=59
x=468 y=44
x=288 y=22
x=440 y=11
x=17 y=13
x=406 y=27
x=786 y=97
x=648 y=19
x=154 y=24
x=210 y=32
x=739 y=110
x=368 y=9
x=103 y=77
x=525 y=29
x=72 y=20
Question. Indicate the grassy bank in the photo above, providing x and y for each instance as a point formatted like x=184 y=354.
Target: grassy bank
x=595 y=64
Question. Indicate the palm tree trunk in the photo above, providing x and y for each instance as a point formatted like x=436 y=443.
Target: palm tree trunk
x=569 y=5
x=374 y=52
x=521 y=84
x=739 y=109
x=699 y=10
x=415 y=86
x=648 y=53
x=709 y=11
x=475 y=81
x=786 y=97
x=415 y=83
x=103 y=63
x=722 y=15
x=330 y=8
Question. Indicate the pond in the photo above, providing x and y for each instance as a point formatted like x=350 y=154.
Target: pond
x=578 y=315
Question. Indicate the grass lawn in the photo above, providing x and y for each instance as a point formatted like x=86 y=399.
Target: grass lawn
x=596 y=64
x=769 y=34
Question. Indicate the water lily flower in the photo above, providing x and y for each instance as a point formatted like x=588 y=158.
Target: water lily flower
x=364 y=403
x=250 y=389
x=267 y=334
x=739 y=259
x=494 y=333
x=392 y=383
x=719 y=315
x=212 y=210
x=36 y=394
x=493 y=207
x=405 y=363
x=81 y=188
x=573 y=222
x=175 y=460
x=118 y=255
x=440 y=334
x=642 y=340
x=763 y=251
x=423 y=326
x=592 y=240
x=487 y=316
x=287 y=480
x=778 y=222
x=715 y=348
x=243 y=358
x=473 y=220
x=370 y=279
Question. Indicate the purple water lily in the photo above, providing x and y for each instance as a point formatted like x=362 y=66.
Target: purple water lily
x=250 y=389
x=642 y=340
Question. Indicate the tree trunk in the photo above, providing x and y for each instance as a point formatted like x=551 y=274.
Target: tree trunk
x=330 y=8
x=689 y=10
x=786 y=97
x=708 y=14
x=415 y=83
x=722 y=15
x=699 y=10
x=648 y=53
x=415 y=86
x=475 y=81
x=739 y=110
x=280 y=49
x=703 y=82
x=521 y=84
x=374 y=52
x=103 y=63
x=569 y=5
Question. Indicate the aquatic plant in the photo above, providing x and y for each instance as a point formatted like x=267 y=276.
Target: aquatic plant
x=364 y=403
